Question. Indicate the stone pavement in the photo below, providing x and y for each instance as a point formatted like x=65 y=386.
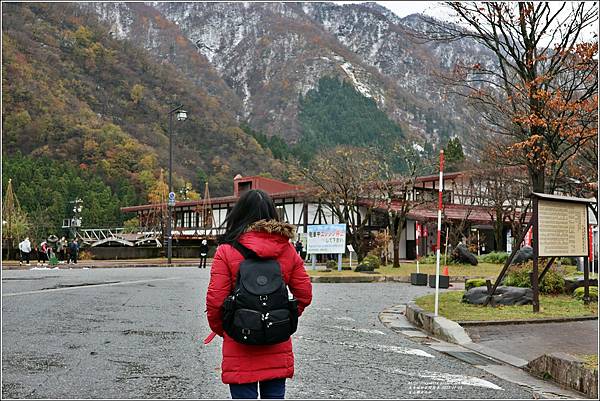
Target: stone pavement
x=530 y=341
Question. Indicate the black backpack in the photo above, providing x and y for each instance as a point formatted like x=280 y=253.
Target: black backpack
x=258 y=311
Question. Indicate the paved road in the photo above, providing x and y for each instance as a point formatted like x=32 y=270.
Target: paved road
x=136 y=333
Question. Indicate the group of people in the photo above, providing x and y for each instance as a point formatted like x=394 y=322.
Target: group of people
x=63 y=250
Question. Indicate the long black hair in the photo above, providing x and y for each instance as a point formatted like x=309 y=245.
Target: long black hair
x=253 y=205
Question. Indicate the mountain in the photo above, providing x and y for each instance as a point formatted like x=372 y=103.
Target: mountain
x=74 y=92
x=271 y=53
x=89 y=84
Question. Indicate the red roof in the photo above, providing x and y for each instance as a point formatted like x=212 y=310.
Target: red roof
x=269 y=185
x=480 y=214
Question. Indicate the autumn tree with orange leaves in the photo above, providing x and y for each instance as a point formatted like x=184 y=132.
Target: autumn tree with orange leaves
x=539 y=98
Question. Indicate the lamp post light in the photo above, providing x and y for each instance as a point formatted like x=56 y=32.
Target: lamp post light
x=76 y=220
x=181 y=116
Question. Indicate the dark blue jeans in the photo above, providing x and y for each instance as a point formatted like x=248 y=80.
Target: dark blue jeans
x=270 y=389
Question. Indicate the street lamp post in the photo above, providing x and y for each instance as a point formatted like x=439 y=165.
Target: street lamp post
x=76 y=219
x=181 y=116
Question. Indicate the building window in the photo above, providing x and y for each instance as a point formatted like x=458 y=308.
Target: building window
x=244 y=186
x=281 y=212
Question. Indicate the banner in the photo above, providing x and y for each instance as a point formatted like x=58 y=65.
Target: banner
x=528 y=236
x=326 y=238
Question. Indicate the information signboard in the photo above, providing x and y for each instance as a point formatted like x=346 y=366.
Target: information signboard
x=326 y=238
x=562 y=228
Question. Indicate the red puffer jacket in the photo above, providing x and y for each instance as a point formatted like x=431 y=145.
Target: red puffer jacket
x=251 y=363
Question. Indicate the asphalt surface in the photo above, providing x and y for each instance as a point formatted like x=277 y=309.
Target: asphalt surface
x=137 y=333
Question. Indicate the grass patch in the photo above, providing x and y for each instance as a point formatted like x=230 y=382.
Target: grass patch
x=590 y=361
x=451 y=307
x=483 y=270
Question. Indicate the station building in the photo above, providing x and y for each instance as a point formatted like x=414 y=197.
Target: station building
x=199 y=219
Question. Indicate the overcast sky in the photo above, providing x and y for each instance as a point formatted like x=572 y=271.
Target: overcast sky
x=438 y=10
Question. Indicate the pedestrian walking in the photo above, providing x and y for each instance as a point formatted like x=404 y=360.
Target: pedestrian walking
x=299 y=246
x=203 y=254
x=61 y=249
x=25 y=248
x=254 y=235
x=43 y=253
x=36 y=248
x=73 y=251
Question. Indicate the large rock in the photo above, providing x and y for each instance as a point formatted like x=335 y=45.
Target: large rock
x=523 y=255
x=502 y=296
x=364 y=268
x=462 y=254
x=575 y=282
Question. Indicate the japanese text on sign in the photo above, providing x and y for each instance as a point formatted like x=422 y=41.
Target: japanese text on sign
x=326 y=238
x=562 y=228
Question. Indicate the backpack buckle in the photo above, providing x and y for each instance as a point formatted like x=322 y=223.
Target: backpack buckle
x=265 y=316
x=246 y=331
x=263 y=297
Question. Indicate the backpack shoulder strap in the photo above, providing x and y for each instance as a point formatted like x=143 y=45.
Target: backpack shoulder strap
x=246 y=253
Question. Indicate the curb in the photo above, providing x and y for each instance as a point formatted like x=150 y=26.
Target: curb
x=370 y=278
x=567 y=370
x=81 y=266
x=438 y=326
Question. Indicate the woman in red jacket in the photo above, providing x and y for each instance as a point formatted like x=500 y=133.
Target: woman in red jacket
x=254 y=223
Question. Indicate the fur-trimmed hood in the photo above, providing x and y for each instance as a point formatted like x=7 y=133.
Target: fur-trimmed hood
x=273 y=227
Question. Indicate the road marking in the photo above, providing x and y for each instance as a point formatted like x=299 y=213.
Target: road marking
x=86 y=286
x=367 y=331
x=375 y=347
x=452 y=379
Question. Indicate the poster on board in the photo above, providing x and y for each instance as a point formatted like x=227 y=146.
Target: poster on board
x=563 y=228
x=326 y=238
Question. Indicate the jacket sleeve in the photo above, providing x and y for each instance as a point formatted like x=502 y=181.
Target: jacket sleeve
x=299 y=282
x=219 y=288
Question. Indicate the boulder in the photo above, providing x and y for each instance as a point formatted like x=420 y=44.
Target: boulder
x=364 y=268
x=575 y=282
x=502 y=296
x=462 y=254
x=523 y=255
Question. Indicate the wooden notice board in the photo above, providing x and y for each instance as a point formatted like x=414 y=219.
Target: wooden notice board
x=562 y=228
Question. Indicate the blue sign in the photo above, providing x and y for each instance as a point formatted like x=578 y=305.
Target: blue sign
x=172 y=196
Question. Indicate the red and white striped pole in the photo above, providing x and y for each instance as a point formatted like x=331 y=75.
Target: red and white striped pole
x=439 y=234
x=417 y=237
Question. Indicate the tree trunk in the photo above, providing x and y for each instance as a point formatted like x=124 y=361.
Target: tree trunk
x=498 y=226
x=396 y=245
